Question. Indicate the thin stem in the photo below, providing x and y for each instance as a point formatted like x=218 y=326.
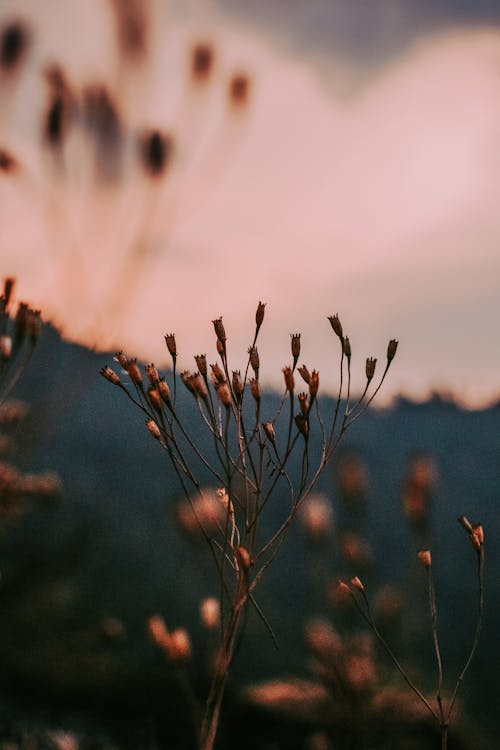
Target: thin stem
x=433 y=609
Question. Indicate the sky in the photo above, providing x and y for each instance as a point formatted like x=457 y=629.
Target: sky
x=360 y=176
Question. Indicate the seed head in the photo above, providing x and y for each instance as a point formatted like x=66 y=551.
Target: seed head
x=289 y=380
x=346 y=345
x=155 y=399
x=219 y=331
x=302 y=423
x=255 y=389
x=392 y=348
x=106 y=372
x=314 y=384
x=210 y=613
x=425 y=558
x=164 y=390
x=237 y=384
x=134 y=372
x=217 y=375
x=259 y=316
x=254 y=360
x=199 y=385
x=224 y=394
x=152 y=374
x=238 y=89
x=304 y=372
x=304 y=403
x=201 y=364
x=336 y=325
x=153 y=428
x=187 y=379
x=202 y=61
x=171 y=345
x=356 y=582
x=269 y=430
x=122 y=360
x=295 y=345
x=370 y=368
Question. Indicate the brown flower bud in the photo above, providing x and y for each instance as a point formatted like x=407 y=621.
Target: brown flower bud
x=243 y=558
x=254 y=360
x=269 y=430
x=219 y=330
x=370 y=368
x=110 y=375
x=304 y=372
x=201 y=364
x=346 y=347
x=152 y=374
x=217 y=375
x=210 y=613
x=134 y=372
x=224 y=394
x=425 y=558
x=122 y=360
x=289 y=380
x=6 y=347
x=259 y=315
x=186 y=378
x=255 y=389
x=356 y=582
x=304 y=403
x=153 y=428
x=171 y=345
x=392 y=348
x=314 y=384
x=302 y=423
x=164 y=390
x=336 y=325
x=199 y=385
x=295 y=345
x=237 y=384
x=155 y=399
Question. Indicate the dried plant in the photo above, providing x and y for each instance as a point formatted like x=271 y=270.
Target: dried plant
x=442 y=710
x=254 y=457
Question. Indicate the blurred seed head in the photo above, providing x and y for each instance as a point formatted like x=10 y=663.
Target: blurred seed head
x=202 y=62
x=132 y=27
x=155 y=152
x=316 y=517
x=14 y=42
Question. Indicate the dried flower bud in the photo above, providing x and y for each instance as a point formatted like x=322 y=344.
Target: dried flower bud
x=295 y=346
x=371 y=363
x=336 y=325
x=346 y=348
x=155 y=152
x=201 y=363
x=478 y=535
x=164 y=390
x=224 y=394
x=237 y=384
x=269 y=430
x=238 y=89
x=356 y=582
x=186 y=378
x=425 y=558
x=110 y=375
x=304 y=372
x=202 y=59
x=392 y=348
x=304 y=403
x=302 y=423
x=152 y=374
x=210 y=613
x=219 y=330
x=8 y=287
x=179 y=649
x=243 y=558
x=289 y=380
x=221 y=348
x=5 y=346
x=153 y=428
x=158 y=632
x=134 y=372
x=217 y=375
x=255 y=389
x=155 y=399
x=343 y=589
x=314 y=384
x=259 y=315
x=171 y=345
x=122 y=360
x=254 y=360
x=199 y=385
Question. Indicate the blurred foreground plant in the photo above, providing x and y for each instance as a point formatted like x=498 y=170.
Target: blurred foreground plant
x=18 y=336
x=356 y=590
x=255 y=456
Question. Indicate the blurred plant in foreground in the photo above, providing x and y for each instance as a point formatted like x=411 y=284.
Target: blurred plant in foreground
x=356 y=590
x=254 y=457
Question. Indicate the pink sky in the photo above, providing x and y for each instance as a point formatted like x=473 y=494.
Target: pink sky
x=377 y=201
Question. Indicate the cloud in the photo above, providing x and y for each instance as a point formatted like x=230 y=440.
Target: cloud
x=379 y=206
